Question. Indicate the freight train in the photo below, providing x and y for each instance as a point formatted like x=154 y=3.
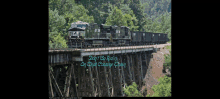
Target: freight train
x=85 y=35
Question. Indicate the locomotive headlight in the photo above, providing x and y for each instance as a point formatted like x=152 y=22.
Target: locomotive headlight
x=98 y=30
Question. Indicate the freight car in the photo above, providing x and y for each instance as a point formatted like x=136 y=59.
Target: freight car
x=94 y=35
x=141 y=38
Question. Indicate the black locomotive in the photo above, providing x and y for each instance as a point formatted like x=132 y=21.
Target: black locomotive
x=86 y=35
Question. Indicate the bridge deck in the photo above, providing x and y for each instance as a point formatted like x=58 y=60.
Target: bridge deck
x=106 y=48
x=66 y=55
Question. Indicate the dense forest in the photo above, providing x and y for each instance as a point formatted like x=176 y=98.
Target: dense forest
x=138 y=15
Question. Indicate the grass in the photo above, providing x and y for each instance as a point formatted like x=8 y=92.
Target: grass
x=168 y=47
x=169 y=41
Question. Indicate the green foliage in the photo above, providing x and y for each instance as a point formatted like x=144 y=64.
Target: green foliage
x=54 y=4
x=169 y=41
x=132 y=91
x=116 y=18
x=81 y=14
x=58 y=42
x=129 y=17
x=163 y=89
x=56 y=21
x=56 y=26
x=129 y=22
x=125 y=9
x=138 y=9
x=167 y=58
x=168 y=47
x=155 y=7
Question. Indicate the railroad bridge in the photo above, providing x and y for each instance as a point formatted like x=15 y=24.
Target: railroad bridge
x=97 y=72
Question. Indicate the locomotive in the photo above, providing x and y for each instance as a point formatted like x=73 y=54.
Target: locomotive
x=84 y=35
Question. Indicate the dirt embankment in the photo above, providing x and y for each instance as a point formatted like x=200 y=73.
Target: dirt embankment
x=155 y=70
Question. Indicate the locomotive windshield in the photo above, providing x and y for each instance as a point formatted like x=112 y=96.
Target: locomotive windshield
x=81 y=25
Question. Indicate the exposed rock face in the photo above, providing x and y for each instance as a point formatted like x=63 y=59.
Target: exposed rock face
x=155 y=70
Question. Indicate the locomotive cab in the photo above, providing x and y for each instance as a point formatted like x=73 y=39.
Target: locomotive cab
x=77 y=30
x=76 y=33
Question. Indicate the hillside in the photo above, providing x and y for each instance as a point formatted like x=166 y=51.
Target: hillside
x=155 y=70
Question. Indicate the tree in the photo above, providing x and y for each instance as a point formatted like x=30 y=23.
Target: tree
x=56 y=26
x=132 y=91
x=137 y=7
x=116 y=18
x=58 y=42
x=54 y=4
x=155 y=7
x=163 y=89
x=81 y=14
x=165 y=22
x=160 y=24
x=129 y=22
x=56 y=22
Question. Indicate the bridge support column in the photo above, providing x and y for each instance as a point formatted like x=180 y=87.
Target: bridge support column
x=139 y=69
x=83 y=81
x=128 y=66
x=68 y=80
x=91 y=81
x=122 y=73
x=119 y=76
x=132 y=67
x=110 y=78
x=97 y=80
x=104 y=82
x=73 y=88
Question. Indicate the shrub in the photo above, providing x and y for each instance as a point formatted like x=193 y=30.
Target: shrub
x=167 y=58
x=163 y=89
x=132 y=91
